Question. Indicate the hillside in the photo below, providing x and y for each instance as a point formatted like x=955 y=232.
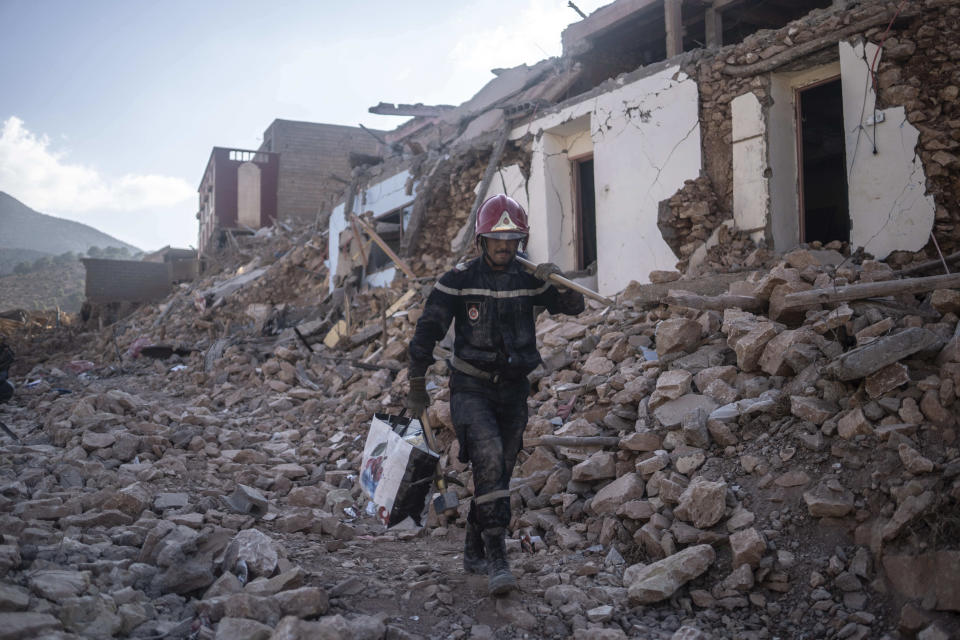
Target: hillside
x=56 y=286
x=10 y=258
x=22 y=228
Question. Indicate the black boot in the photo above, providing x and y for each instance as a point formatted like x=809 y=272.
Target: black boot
x=474 y=558
x=500 y=580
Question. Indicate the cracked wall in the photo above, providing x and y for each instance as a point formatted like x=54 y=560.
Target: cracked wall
x=889 y=208
x=645 y=139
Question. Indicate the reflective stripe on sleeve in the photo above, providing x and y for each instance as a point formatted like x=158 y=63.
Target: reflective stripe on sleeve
x=515 y=293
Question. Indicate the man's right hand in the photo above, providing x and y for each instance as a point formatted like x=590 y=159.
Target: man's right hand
x=417 y=399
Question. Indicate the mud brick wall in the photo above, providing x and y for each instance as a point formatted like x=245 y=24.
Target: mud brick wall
x=310 y=154
x=126 y=280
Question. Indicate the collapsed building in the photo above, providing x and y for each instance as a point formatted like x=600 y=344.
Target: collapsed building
x=297 y=170
x=665 y=130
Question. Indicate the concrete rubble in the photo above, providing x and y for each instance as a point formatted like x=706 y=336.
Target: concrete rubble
x=767 y=478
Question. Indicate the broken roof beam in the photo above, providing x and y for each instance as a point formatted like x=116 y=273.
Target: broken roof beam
x=383 y=245
x=419 y=109
x=576 y=38
x=673 y=23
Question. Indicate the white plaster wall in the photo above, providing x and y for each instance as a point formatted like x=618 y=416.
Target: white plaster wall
x=889 y=208
x=510 y=181
x=551 y=189
x=379 y=197
x=646 y=142
x=248 y=195
x=751 y=189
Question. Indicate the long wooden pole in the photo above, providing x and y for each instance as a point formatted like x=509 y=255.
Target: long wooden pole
x=559 y=280
x=383 y=245
x=870 y=290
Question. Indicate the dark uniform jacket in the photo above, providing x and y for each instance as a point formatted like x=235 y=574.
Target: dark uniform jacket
x=494 y=328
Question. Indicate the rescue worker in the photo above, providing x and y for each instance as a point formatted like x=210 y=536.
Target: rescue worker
x=492 y=300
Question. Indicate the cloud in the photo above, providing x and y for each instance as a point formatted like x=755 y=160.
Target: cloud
x=41 y=177
x=531 y=35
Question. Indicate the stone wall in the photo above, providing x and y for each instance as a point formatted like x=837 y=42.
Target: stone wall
x=918 y=70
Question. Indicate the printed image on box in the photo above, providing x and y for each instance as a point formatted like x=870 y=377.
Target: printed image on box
x=397 y=468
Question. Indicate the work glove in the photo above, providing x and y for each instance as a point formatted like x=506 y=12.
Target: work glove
x=417 y=399
x=544 y=269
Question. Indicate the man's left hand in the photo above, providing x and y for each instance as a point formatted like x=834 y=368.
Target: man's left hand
x=544 y=269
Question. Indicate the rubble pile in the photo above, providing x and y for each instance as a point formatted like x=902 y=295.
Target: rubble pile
x=450 y=201
x=695 y=471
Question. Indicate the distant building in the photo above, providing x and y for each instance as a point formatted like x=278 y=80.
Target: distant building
x=300 y=169
x=238 y=191
x=314 y=163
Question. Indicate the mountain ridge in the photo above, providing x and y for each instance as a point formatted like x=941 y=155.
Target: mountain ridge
x=24 y=228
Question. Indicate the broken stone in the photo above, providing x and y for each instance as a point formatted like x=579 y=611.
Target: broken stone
x=946 y=301
x=677 y=335
x=887 y=379
x=248 y=500
x=58 y=585
x=670 y=386
x=931 y=577
x=256 y=550
x=811 y=409
x=828 y=502
x=670 y=414
x=599 y=466
x=15 y=626
x=626 y=488
x=907 y=511
x=750 y=346
x=647 y=584
x=702 y=503
x=694 y=429
x=748 y=547
x=242 y=629
x=913 y=461
x=853 y=423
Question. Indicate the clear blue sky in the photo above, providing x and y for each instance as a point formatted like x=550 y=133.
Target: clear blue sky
x=108 y=109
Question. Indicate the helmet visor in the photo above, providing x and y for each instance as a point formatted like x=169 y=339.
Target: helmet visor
x=505 y=235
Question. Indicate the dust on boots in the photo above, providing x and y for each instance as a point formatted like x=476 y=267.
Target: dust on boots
x=474 y=556
x=499 y=579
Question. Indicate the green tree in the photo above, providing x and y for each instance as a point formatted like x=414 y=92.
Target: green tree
x=22 y=268
x=43 y=262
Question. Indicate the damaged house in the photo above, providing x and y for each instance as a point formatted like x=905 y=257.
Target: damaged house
x=299 y=169
x=671 y=132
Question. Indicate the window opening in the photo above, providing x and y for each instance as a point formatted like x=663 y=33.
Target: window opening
x=586 y=213
x=824 y=208
x=390 y=228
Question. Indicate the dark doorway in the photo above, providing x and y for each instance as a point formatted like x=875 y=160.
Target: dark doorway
x=824 y=208
x=586 y=213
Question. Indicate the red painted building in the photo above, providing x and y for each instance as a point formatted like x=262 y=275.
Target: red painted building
x=238 y=192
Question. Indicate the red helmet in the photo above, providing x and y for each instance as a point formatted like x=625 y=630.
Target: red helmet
x=502 y=217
